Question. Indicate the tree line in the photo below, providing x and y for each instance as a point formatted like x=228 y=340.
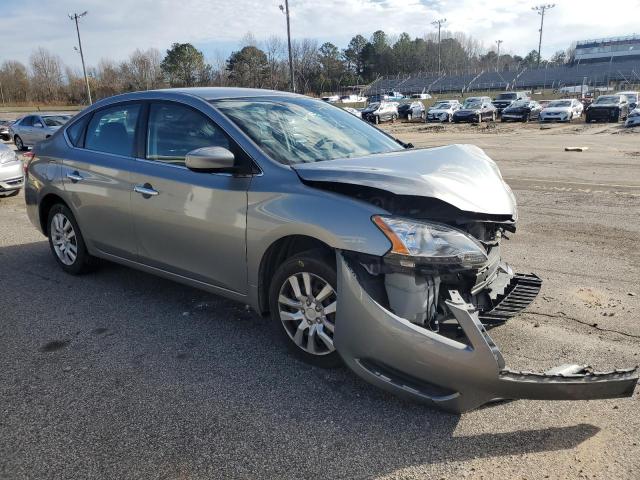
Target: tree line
x=317 y=68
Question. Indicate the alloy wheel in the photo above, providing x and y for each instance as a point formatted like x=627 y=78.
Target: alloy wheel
x=307 y=309
x=18 y=142
x=63 y=237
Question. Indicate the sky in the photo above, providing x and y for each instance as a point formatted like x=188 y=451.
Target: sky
x=114 y=28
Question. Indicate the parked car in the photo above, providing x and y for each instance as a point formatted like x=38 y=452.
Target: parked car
x=421 y=96
x=352 y=99
x=443 y=111
x=4 y=130
x=393 y=96
x=11 y=179
x=377 y=112
x=361 y=249
x=503 y=100
x=633 y=120
x=608 y=108
x=331 y=99
x=353 y=111
x=632 y=98
x=476 y=110
x=563 y=110
x=34 y=128
x=412 y=110
x=522 y=111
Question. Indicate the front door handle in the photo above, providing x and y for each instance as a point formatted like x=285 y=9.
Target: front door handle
x=75 y=177
x=145 y=190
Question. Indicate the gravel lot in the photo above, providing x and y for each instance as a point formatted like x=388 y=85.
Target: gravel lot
x=119 y=374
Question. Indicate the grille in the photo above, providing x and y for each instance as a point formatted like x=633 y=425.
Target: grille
x=522 y=290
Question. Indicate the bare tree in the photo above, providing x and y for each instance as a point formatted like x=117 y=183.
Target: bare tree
x=46 y=75
x=142 y=71
x=15 y=81
x=275 y=49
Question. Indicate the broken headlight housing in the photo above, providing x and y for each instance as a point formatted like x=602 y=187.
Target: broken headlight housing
x=430 y=243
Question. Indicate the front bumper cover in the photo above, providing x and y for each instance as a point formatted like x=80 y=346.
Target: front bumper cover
x=406 y=359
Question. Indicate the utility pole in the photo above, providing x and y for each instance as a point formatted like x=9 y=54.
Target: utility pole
x=292 y=80
x=439 y=23
x=541 y=9
x=498 y=42
x=75 y=17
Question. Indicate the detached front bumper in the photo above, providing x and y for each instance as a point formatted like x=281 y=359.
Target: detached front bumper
x=414 y=362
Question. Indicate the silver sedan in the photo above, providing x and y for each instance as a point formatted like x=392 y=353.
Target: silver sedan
x=10 y=172
x=34 y=128
x=360 y=248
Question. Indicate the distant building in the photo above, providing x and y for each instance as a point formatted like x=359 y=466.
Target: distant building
x=606 y=49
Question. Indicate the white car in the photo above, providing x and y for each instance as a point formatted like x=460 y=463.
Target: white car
x=331 y=99
x=353 y=111
x=11 y=178
x=443 y=111
x=633 y=120
x=632 y=98
x=352 y=99
x=563 y=110
x=420 y=96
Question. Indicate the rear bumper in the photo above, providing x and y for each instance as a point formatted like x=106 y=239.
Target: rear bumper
x=414 y=362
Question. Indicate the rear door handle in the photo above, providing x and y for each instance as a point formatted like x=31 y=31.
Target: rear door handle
x=75 y=177
x=145 y=190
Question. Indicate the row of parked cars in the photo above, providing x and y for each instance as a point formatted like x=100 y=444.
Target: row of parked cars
x=508 y=106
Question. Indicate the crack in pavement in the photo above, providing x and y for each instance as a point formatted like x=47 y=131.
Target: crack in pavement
x=577 y=320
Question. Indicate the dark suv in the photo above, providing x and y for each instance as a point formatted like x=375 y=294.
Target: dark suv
x=608 y=108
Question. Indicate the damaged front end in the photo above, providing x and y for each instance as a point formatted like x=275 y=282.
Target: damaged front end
x=457 y=370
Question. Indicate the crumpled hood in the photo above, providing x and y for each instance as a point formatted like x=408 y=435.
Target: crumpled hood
x=461 y=175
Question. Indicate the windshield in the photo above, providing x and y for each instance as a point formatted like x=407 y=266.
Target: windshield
x=520 y=103
x=608 y=99
x=507 y=96
x=56 y=121
x=300 y=130
x=473 y=104
x=560 y=103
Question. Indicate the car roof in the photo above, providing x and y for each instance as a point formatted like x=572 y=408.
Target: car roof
x=217 y=93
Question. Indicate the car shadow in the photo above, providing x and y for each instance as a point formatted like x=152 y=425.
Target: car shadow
x=140 y=374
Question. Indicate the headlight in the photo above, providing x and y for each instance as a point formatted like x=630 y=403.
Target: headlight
x=7 y=156
x=430 y=243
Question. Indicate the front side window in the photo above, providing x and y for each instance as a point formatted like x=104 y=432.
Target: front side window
x=298 y=130
x=112 y=130
x=27 y=121
x=174 y=130
x=55 y=120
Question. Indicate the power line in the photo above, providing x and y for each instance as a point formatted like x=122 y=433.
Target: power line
x=541 y=9
x=439 y=23
x=292 y=81
x=75 y=17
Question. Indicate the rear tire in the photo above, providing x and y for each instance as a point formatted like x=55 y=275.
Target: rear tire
x=66 y=242
x=302 y=300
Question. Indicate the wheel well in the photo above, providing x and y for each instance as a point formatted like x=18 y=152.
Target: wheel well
x=278 y=253
x=45 y=206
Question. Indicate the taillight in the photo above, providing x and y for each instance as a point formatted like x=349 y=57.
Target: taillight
x=26 y=160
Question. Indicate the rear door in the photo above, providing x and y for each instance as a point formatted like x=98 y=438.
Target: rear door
x=189 y=223
x=97 y=179
x=24 y=130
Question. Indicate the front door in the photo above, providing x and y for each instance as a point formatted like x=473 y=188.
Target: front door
x=189 y=223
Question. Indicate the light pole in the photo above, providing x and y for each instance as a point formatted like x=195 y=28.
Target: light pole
x=75 y=17
x=285 y=10
x=498 y=42
x=439 y=23
x=541 y=9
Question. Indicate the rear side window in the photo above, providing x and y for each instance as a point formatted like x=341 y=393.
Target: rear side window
x=74 y=132
x=113 y=129
x=174 y=130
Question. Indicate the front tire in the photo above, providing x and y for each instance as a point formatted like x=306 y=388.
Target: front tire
x=302 y=300
x=19 y=143
x=66 y=242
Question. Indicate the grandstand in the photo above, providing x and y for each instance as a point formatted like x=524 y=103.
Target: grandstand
x=621 y=73
x=611 y=49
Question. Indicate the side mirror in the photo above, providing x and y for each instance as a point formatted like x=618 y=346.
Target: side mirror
x=210 y=159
